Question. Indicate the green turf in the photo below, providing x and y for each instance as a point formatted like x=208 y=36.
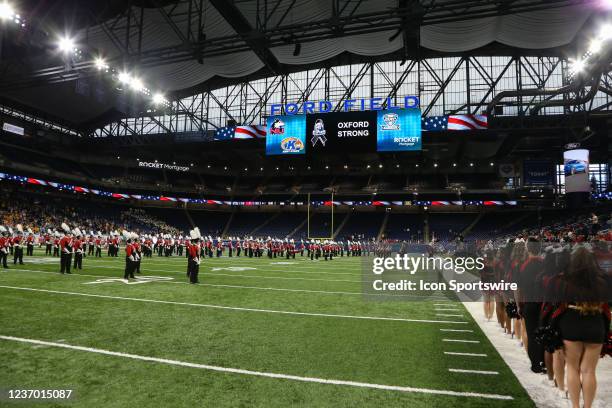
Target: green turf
x=385 y=352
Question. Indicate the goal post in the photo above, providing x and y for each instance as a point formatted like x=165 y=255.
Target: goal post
x=331 y=226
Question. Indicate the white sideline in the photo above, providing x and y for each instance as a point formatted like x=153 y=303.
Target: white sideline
x=453 y=353
x=457 y=340
x=259 y=373
x=457 y=370
x=457 y=330
x=244 y=309
x=252 y=287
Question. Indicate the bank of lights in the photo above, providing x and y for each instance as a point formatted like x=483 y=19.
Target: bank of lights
x=595 y=46
x=68 y=45
x=8 y=14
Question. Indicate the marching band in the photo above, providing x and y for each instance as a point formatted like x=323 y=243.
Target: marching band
x=72 y=245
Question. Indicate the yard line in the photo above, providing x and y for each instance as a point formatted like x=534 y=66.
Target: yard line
x=447 y=310
x=461 y=341
x=457 y=330
x=457 y=370
x=222 y=262
x=453 y=353
x=445 y=304
x=258 y=373
x=233 y=308
x=245 y=287
x=448 y=315
x=145 y=269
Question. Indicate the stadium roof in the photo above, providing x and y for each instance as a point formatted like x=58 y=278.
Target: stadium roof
x=181 y=46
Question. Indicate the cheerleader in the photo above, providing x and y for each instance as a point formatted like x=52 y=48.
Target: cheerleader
x=529 y=297
x=487 y=276
x=519 y=255
x=556 y=261
x=583 y=320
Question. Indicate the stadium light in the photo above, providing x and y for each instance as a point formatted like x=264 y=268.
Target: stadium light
x=577 y=65
x=416 y=165
x=100 y=63
x=124 y=77
x=595 y=45
x=471 y=164
x=368 y=166
x=492 y=164
x=159 y=98
x=435 y=164
x=380 y=166
x=66 y=45
x=136 y=84
x=6 y=11
x=605 y=33
x=454 y=164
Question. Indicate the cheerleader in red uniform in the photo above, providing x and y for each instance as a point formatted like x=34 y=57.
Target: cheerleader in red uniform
x=519 y=255
x=583 y=321
x=487 y=275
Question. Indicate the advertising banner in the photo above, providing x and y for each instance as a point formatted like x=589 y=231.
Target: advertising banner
x=538 y=173
x=576 y=169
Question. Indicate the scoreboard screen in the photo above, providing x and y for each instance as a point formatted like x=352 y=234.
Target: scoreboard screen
x=286 y=135
x=382 y=130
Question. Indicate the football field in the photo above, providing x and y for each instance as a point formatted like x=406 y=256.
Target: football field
x=254 y=332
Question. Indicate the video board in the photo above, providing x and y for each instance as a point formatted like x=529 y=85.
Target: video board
x=368 y=131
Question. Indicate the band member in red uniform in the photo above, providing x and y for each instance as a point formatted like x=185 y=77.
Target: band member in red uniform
x=91 y=244
x=56 y=244
x=48 y=243
x=65 y=245
x=219 y=247
x=130 y=257
x=4 y=246
x=138 y=251
x=98 y=243
x=18 y=246
x=30 y=243
x=78 y=247
x=238 y=247
x=193 y=259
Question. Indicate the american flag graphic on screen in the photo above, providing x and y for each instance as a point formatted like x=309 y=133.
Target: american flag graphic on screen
x=467 y=122
x=250 y=132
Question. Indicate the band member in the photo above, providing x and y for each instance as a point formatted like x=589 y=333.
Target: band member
x=193 y=260
x=78 y=247
x=130 y=257
x=30 y=243
x=17 y=246
x=65 y=245
x=98 y=245
x=219 y=247
x=4 y=244
x=138 y=251
x=180 y=245
x=48 y=243
x=230 y=247
x=238 y=247
x=56 y=244
x=91 y=244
